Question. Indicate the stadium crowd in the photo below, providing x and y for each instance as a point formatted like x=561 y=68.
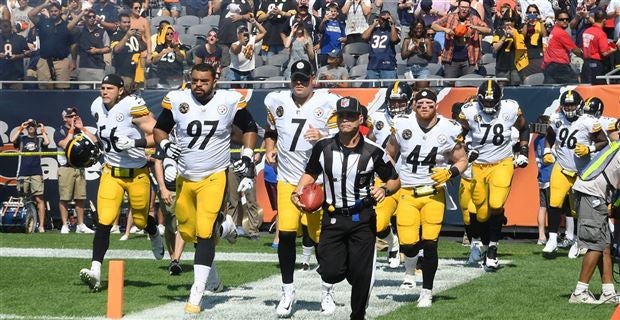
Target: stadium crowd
x=151 y=43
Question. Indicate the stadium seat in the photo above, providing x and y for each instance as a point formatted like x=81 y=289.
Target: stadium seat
x=199 y=29
x=401 y=69
x=188 y=39
x=348 y=60
x=264 y=72
x=187 y=21
x=435 y=80
x=274 y=85
x=487 y=58
x=486 y=47
x=357 y=48
x=469 y=83
x=278 y=60
x=358 y=84
x=490 y=68
x=156 y=20
x=224 y=77
x=211 y=21
x=358 y=71
x=434 y=68
x=535 y=79
x=259 y=61
x=363 y=59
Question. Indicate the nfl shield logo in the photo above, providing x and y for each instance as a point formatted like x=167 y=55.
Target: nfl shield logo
x=344 y=102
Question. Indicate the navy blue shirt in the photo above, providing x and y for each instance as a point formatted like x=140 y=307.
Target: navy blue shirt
x=86 y=39
x=55 y=39
x=12 y=69
x=29 y=166
x=108 y=11
x=382 y=50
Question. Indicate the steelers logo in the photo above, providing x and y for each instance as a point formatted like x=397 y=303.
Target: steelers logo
x=318 y=113
x=506 y=116
x=300 y=65
x=558 y=124
x=119 y=117
x=222 y=109
x=442 y=139
x=183 y=107
x=279 y=111
x=407 y=134
x=380 y=125
x=96 y=116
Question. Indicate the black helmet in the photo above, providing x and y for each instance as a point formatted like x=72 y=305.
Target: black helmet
x=82 y=152
x=398 y=99
x=570 y=102
x=489 y=96
x=593 y=106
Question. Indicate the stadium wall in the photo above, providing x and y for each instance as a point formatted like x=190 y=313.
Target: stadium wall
x=46 y=106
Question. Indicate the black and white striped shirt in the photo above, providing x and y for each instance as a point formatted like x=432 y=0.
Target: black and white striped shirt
x=348 y=172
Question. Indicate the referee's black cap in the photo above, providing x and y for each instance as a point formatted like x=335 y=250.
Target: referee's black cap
x=348 y=105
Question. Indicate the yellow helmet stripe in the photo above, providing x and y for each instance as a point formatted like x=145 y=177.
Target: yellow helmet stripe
x=489 y=89
x=395 y=88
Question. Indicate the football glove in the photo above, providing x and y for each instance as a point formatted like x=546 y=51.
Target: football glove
x=124 y=142
x=244 y=168
x=472 y=155
x=548 y=157
x=441 y=175
x=520 y=161
x=172 y=150
x=245 y=184
x=581 y=150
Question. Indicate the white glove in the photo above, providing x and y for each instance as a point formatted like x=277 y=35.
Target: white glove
x=172 y=150
x=124 y=142
x=245 y=184
x=520 y=161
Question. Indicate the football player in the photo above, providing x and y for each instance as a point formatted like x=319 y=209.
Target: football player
x=399 y=97
x=570 y=139
x=594 y=106
x=202 y=119
x=428 y=143
x=297 y=119
x=489 y=122
x=124 y=129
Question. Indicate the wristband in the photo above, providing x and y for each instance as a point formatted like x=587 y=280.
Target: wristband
x=141 y=143
x=524 y=150
x=247 y=152
x=454 y=171
x=547 y=150
x=592 y=148
x=386 y=191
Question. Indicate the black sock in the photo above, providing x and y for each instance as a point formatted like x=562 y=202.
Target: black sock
x=495 y=227
x=410 y=250
x=286 y=255
x=394 y=225
x=474 y=226
x=151 y=226
x=101 y=242
x=306 y=241
x=484 y=232
x=429 y=264
x=205 y=251
x=554 y=215
x=468 y=232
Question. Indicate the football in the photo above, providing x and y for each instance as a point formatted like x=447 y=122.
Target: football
x=312 y=197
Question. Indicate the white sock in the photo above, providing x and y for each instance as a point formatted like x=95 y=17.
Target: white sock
x=553 y=237
x=288 y=287
x=581 y=287
x=327 y=287
x=570 y=228
x=201 y=273
x=305 y=254
x=608 y=289
x=95 y=267
x=492 y=243
x=475 y=240
x=410 y=263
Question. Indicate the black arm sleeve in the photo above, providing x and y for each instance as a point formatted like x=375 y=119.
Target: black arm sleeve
x=244 y=120
x=314 y=167
x=165 y=121
x=524 y=133
x=384 y=169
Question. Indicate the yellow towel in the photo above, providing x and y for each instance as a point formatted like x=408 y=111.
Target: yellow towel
x=521 y=59
x=537 y=32
x=137 y=59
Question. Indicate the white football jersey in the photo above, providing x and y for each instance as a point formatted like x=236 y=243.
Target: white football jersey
x=421 y=151
x=607 y=123
x=119 y=121
x=491 y=134
x=291 y=122
x=203 y=131
x=567 y=135
x=381 y=127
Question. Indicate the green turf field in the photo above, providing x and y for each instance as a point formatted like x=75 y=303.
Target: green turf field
x=530 y=287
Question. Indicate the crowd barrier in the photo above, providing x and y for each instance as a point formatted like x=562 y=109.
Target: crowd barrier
x=45 y=106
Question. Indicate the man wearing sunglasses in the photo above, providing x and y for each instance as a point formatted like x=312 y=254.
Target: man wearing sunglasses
x=297 y=119
x=556 y=60
x=429 y=153
x=93 y=42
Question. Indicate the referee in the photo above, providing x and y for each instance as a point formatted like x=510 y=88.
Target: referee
x=348 y=163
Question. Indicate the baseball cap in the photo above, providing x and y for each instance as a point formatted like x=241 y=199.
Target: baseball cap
x=302 y=68
x=426 y=94
x=68 y=111
x=335 y=53
x=348 y=104
x=113 y=80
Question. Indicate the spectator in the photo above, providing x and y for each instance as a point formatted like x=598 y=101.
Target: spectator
x=5 y=14
x=417 y=50
x=406 y=12
x=12 y=57
x=198 y=8
x=505 y=42
x=242 y=58
x=595 y=51
x=383 y=35
x=55 y=45
x=274 y=15
x=210 y=52
x=613 y=12
x=93 y=42
x=583 y=19
x=32 y=41
x=19 y=18
x=160 y=27
x=334 y=71
x=534 y=32
x=72 y=12
x=142 y=25
x=107 y=14
x=233 y=14
x=332 y=33
x=129 y=50
x=544 y=7
x=544 y=174
x=168 y=58
x=357 y=13
x=323 y=5
x=29 y=171
x=71 y=181
x=437 y=49
x=302 y=18
x=462 y=46
x=299 y=43
x=556 y=61
x=172 y=8
x=430 y=11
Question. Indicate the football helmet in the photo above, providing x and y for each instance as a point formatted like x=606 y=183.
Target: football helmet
x=593 y=106
x=489 y=96
x=82 y=152
x=570 y=103
x=398 y=99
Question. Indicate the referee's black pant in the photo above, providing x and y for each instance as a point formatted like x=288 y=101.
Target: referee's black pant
x=347 y=251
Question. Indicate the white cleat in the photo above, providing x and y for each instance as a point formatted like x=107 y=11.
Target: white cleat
x=475 y=252
x=229 y=230
x=161 y=228
x=82 y=228
x=64 y=229
x=491 y=261
x=611 y=298
x=92 y=279
x=584 y=297
x=573 y=252
x=426 y=298
x=287 y=302
x=115 y=229
x=394 y=259
x=408 y=282
x=124 y=237
x=328 y=305
x=157 y=246
x=551 y=246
